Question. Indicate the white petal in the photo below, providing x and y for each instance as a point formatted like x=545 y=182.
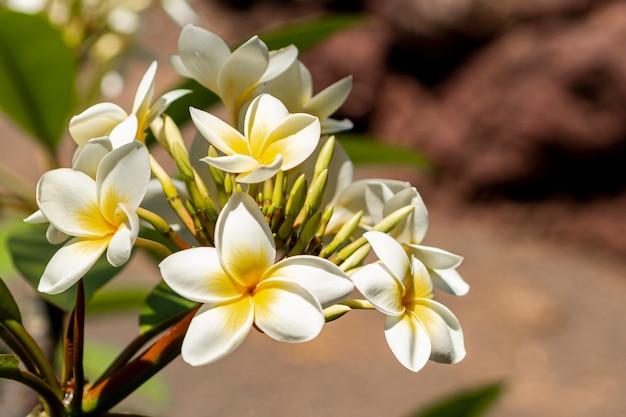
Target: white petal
x=391 y=254
x=197 y=275
x=219 y=133
x=414 y=228
x=380 y=288
x=279 y=61
x=68 y=199
x=295 y=139
x=422 y=285
x=121 y=245
x=242 y=70
x=71 y=263
x=233 y=163
x=125 y=132
x=88 y=157
x=145 y=91
x=263 y=115
x=435 y=258
x=327 y=101
x=55 y=236
x=203 y=54
x=443 y=329
x=217 y=331
x=408 y=340
x=123 y=176
x=163 y=103
x=244 y=240
x=293 y=87
x=36 y=218
x=177 y=63
x=449 y=280
x=261 y=172
x=287 y=312
x=320 y=277
x=96 y=121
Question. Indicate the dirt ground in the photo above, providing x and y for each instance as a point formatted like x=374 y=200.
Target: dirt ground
x=544 y=314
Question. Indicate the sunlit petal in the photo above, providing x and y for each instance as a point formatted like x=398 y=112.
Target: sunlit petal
x=216 y=331
x=125 y=132
x=408 y=340
x=263 y=115
x=233 y=163
x=163 y=103
x=287 y=312
x=421 y=285
x=295 y=138
x=320 y=277
x=96 y=121
x=244 y=240
x=88 y=157
x=145 y=90
x=328 y=101
x=391 y=253
x=279 y=61
x=242 y=70
x=435 y=258
x=380 y=288
x=443 y=329
x=121 y=244
x=262 y=172
x=70 y=263
x=219 y=133
x=197 y=275
x=414 y=228
x=449 y=280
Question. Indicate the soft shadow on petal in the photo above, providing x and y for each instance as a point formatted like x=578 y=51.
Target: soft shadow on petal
x=327 y=101
x=295 y=139
x=242 y=70
x=217 y=331
x=435 y=258
x=88 y=157
x=380 y=288
x=450 y=281
x=197 y=275
x=322 y=278
x=145 y=91
x=408 y=340
x=443 y=329
x=121 y=244
x=280 y=61
x=244 y=240
x=263 y=115
x=287 y=312
x=96 y=121
x=70 y=263
x=391 y=254
x=262 y=172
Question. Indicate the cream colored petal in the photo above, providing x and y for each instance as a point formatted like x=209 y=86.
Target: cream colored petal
x=444 y=331
x=293 y=87
x=330 y=126
x=217 y=331
x=145 y=91
x=70 y=263
x=203 y=54
x=123 y=176
x=242 y=72
x=264 y=114
x=197 y=275
x=320 y=277
x=287 y=312
x=392 y=255
x=233 y=163
x=219 y=133
x=449 y=280
x=408 y=340
x=68 y=199
x=295 y=139
x=125 y=132
x=88 y=157
x=435 y=258
x=414 y=228
x=261 y=172
x=280 y=60
x=243 y=240
x=96 y=121
x=380 y=288
x=421 y=286
x=163 y=103
x=328 y=101
x=121 y=244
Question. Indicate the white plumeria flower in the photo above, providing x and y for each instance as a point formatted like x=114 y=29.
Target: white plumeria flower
x=234 y=77
x=109 y=119
x=294 y=87
x=100 y=215
x=378 y=198
x=417 y=328
x=273 y=139
x=241 y=285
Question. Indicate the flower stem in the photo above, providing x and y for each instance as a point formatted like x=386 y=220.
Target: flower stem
x=358 y=304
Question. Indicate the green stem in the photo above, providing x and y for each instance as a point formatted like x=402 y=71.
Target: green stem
x=358 y=304
x=78 y=334
x=52 y=404
x=159 y=250
x=35 y=354
x=115 y=388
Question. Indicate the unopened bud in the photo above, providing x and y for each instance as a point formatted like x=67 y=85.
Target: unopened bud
x=393 y=219
x=325 y=156
x=297 y=197
x=335 y=311
x=343 y=235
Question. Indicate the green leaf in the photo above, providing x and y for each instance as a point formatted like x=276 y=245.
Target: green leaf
x=37 y=75
x=117 y=299
x=470 y=403
x=306 y=35
x=31 y=252
x=7 y=228
x=8 y=306
x=162 y=308
x=366 y=150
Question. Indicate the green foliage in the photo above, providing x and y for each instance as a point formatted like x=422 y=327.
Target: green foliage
x=31 y=252
x=37 y=76
x=163 y=307
x=8 y=306
x=474 y=402
x=366 y=150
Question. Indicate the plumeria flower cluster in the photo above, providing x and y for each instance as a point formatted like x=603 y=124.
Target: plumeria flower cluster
x=271 y=231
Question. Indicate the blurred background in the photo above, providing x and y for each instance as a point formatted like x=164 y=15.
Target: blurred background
x=521 y=109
